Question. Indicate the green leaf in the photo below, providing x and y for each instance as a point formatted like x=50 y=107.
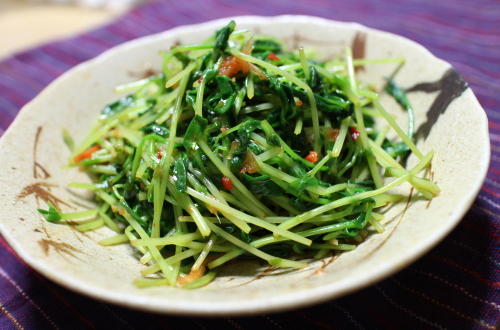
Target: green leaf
x=51 y=214
x=255 y=148
x=205 y=61
x=179 y=172
x=397 y=93
x=300 y=185
x=194 y=132
x=335 y=105
x=191 y=97
x=262 y=185
x=285 y=93
x=315 y=81
x=247 y=238
x=221 y=38
x=400 y=96
x=157 y=129
x=210 y=74
x=117 y=106
x=246 y=130
x=183 y=58
x=223 y=96
x=395 y=149
x=224 y=105
x=225 y=87
x=266 y=45
x=338 y=106
x=355 y=226
x=68 y=140
x=236 y=162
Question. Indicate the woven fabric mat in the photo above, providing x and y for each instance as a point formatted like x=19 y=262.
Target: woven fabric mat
x=455 y=286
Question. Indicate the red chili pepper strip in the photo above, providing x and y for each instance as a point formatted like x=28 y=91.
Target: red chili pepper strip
x=86 y=154
x=354 y=132
x=227 y=183
x=272 y=56
x=312 y=157
x=231 y=66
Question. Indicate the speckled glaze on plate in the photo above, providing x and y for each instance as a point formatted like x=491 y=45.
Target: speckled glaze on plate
x=450 y=121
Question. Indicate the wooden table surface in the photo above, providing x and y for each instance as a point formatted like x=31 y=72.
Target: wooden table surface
x=26 y=24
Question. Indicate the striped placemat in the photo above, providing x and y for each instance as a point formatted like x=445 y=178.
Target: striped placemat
x=455 y=286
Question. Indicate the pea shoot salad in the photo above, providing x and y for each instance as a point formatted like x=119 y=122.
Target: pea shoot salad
x=241 y=148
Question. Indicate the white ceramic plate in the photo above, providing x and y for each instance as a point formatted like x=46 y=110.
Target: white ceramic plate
x=450 y=120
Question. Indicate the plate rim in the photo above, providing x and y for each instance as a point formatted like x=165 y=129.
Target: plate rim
x=283 y=302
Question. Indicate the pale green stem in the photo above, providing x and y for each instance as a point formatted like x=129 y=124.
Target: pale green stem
x=167 y=158
x=204 y=253
x=339 y=142
x=198 y=109
x=377 y=178
x=250 y=86
x=402 y=135
x=114 y=240
x=298 y=126
x=303 y=63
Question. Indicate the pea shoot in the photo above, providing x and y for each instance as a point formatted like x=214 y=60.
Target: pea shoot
x=241 y=147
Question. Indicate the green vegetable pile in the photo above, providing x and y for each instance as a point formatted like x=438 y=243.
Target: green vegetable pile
x=242 y=148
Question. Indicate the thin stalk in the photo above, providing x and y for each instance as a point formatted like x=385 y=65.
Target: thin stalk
x=109 y=222
x=402 y=135
x=179 y=76
x=268 y=154
x=250 y=86
x=225 y=258
x=90 y=225
x=79 y=215
x=303 y=63
x=198 y=108
x=175 y=239
x=339 y=142
x=114 y=240
x=200 y=282
x=318 y=165
x=204 y=253
x=298 y=126
x=422 y=185
x=377 y=178
x=167 y=158
x=187 y=204
x=381 y=135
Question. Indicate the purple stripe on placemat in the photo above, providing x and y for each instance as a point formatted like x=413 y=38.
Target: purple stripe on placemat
x=455 y=286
